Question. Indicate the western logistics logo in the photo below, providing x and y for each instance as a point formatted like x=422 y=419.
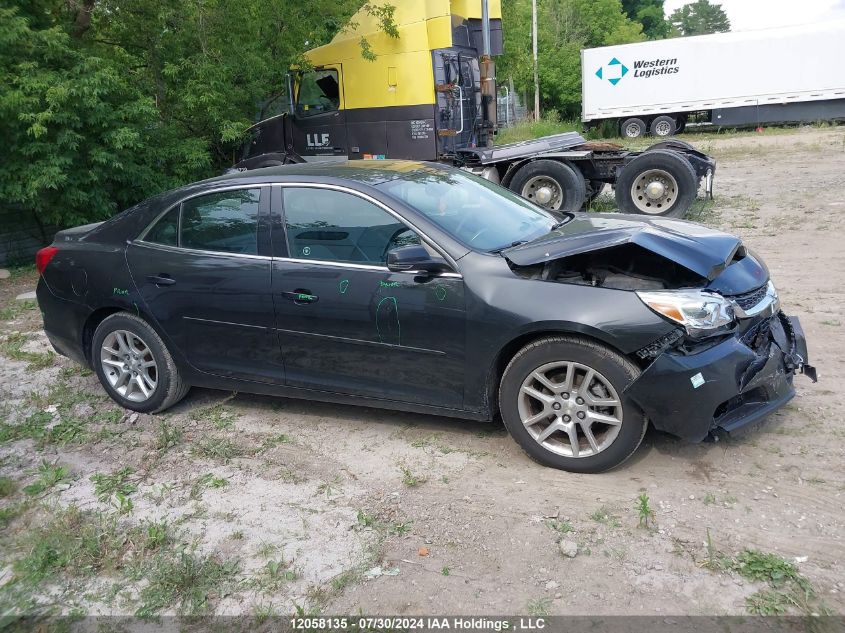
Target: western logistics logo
x=613 y=72
x=644 y=68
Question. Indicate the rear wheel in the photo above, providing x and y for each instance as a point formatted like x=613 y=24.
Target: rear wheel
x=663 y=126
x=134 y=366
x=551 y=184
x=562 y=399
x=658 y=182
x=633 y=128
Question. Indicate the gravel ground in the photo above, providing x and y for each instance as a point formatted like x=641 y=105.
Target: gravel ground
x=245 y=504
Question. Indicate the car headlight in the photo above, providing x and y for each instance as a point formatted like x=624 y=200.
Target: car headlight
x=699 y=311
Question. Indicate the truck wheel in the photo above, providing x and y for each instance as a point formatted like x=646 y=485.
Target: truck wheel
x=659 y=182
x=664 y=126
x=633 y=128
x=673 y=143
x=551 y=184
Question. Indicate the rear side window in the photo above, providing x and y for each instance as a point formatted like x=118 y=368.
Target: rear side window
x=225 y=222
x=166 y=230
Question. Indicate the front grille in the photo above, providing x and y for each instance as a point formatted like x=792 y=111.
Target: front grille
x=748 y=300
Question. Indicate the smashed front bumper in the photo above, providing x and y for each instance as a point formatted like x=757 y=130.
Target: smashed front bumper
x=726 y=386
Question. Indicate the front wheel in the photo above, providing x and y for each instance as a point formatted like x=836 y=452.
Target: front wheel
x=562 y=399
x=134 y=365
x=657 y=182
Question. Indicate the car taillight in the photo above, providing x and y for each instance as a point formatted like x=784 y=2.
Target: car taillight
x=43 y=257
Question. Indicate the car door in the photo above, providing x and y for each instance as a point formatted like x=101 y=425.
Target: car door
x=346 y=323
x=203 y=271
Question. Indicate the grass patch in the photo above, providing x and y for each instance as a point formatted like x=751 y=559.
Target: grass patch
x=218 y=448
x=115 y=489
x=184 y=580
x=7 y=487
x=561 y=527
x=16 y=309
x=12 y=347
x=48 y=476
x=168 y=436
x=603 y=515
x=526 y=129
x=410 y=479
x=217 y=415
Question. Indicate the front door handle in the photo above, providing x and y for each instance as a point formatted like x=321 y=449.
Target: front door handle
x=161 y=280
x=300 y=296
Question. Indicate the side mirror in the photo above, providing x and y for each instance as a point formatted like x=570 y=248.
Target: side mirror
x=414 y=258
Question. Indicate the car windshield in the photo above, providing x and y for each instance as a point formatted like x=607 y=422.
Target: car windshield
x=478 y=213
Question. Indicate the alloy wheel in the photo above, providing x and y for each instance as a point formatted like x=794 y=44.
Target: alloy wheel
x=129 y=366
x=570 y=409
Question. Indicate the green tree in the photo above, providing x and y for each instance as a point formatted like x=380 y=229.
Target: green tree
x=700 y=18
x=106 y=102
x=650 y=14
x=565 y=27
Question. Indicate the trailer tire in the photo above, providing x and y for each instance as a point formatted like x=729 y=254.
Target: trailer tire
x=552 y=184
x=633 y=128
x=663 y=126
x=673 y=143
x=674 y=179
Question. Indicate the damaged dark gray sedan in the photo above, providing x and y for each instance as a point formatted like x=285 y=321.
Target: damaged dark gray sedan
x=422 y=288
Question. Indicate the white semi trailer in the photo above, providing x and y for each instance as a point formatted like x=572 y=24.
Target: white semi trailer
x=750 y=78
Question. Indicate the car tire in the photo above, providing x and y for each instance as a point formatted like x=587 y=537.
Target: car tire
x=663 y=126
x=136 y=344
x=616 y=443
x=632 y=128
x=564 y=182
x=678 y=184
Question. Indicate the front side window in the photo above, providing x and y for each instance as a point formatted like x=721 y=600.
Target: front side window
x=225 y=222
x=328 y=225
x=319 y=92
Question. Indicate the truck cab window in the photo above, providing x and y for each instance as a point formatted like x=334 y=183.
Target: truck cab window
x=319 y=92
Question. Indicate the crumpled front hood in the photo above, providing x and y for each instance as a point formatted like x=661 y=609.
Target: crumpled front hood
x=704 y=251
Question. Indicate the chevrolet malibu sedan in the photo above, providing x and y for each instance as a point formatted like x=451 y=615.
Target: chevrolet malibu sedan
x=418 y=287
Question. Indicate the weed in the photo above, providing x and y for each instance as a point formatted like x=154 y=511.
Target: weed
x=561 y=527
x=217 y=415
x=114 y=484
x=12 y=347
x=208 y=480
x=603 y=516
x=366 y=520
x=644 y=512
x=185 y=580
x=74 y=542
x=539 y=606
x=401 y=529
x=278 y=572
x=343 y=580
x=715 y=560
x=168 y=436
x=832 y=322
x=12 y=512
x=16 y=309
x=237 y=535
x=760 y=566
x=709 y=499
x=410 y=479
x=329 y=488
x=48 y=476
x=218 y=448
x=445 y=571
x=7 y=487
x=275 y=440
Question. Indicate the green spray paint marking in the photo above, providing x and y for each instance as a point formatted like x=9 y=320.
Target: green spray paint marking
x=440 y=292
x=343 y=286
x=388 y=284
x=387 y=310
x=120 y=291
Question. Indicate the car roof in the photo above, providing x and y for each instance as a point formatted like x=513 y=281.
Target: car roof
x=370 y=172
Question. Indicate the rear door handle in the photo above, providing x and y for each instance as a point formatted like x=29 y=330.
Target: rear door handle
x=300 y=296
x=161 y=280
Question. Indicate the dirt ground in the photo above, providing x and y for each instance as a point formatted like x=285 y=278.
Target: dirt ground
x=245 y=504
